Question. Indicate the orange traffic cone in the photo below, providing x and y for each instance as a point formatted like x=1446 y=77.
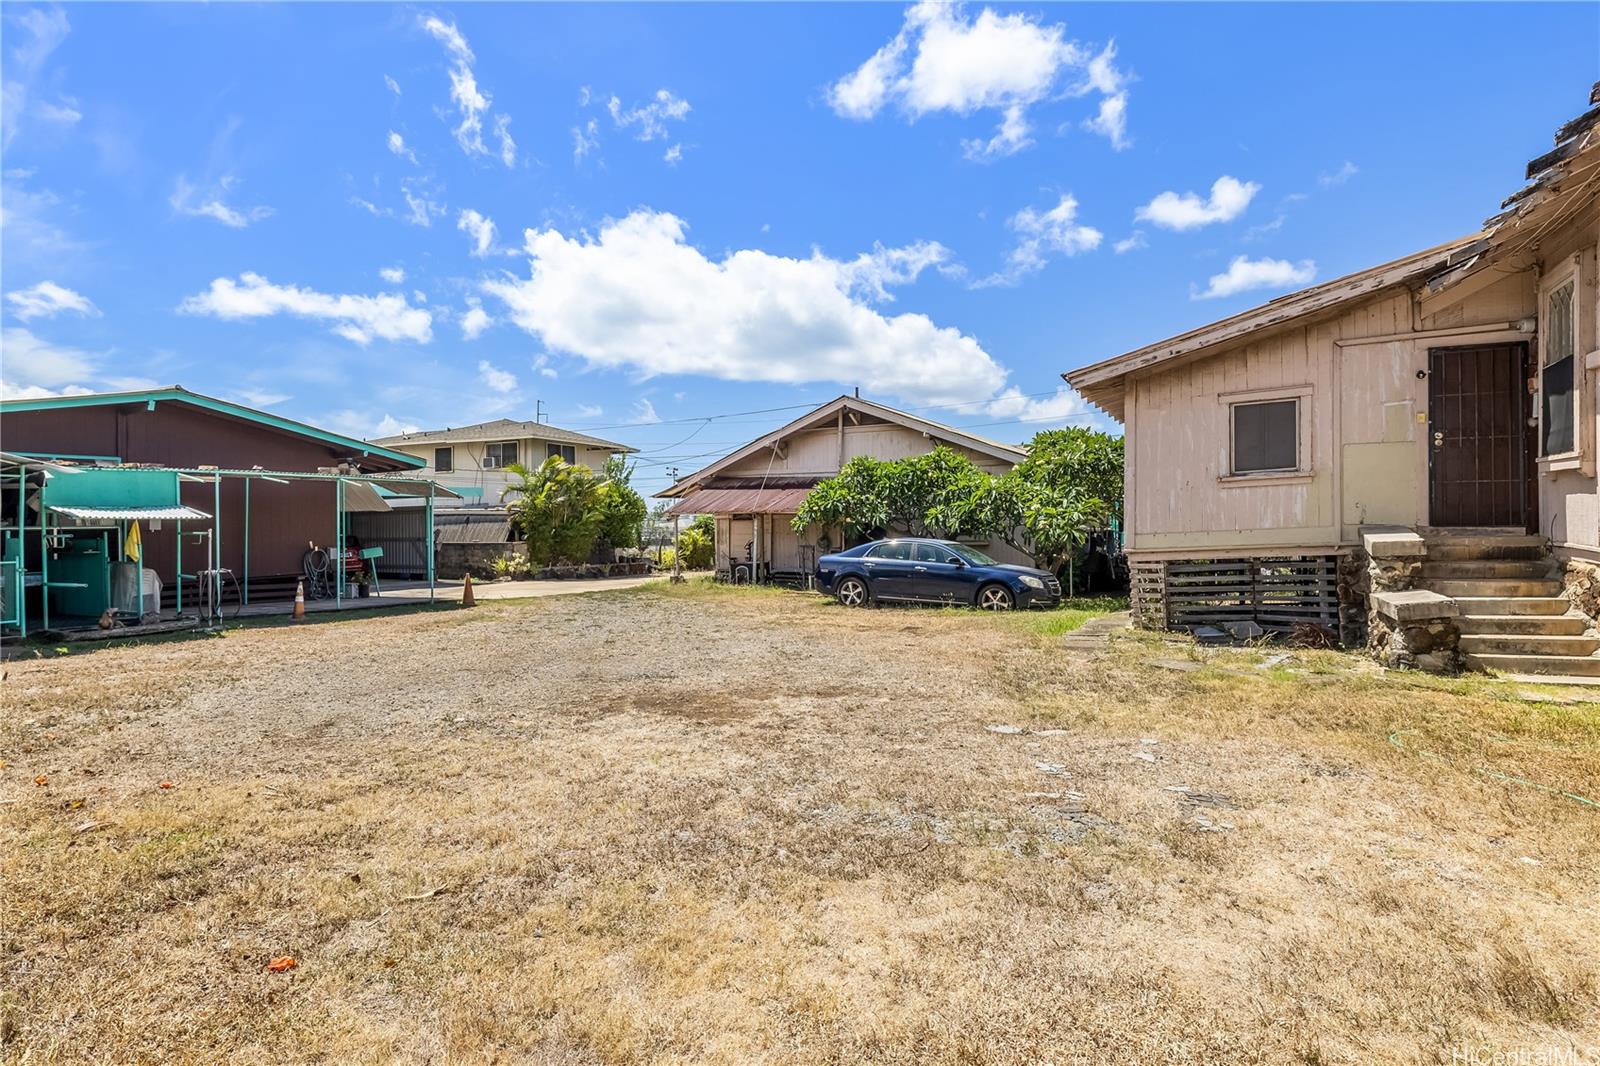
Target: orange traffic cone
x=300 y=601
x=467 y=598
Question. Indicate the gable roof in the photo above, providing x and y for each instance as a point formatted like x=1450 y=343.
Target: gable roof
x=940 y=433
x=1101 y=383
x=179 y=394
x=505 y=429
x=1561 y=183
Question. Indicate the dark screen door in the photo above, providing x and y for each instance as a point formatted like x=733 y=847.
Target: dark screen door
x=1478 y=437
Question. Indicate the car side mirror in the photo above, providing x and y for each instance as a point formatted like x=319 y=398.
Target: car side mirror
x=958 y=561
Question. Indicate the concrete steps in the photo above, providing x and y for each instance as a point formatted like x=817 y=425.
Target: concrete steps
x=1527 y=644
x=1481 y=569
x=1513 y=617
x=1564 y=665
x=1497 y=587
x=1542 y=625
x=1512 y=605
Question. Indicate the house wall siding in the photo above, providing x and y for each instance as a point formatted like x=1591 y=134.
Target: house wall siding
x=1357 y=372
x=468 y=470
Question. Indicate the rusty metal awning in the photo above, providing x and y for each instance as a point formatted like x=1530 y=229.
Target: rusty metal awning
x=740 y=501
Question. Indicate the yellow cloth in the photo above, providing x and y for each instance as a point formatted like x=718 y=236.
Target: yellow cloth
x=131 y=545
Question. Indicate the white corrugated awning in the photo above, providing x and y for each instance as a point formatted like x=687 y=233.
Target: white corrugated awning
x=130 y=514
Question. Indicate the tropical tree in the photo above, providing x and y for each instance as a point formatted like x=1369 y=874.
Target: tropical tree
x=622 y=509
x=558 y=509
x=697 y=543
x=925 y=495
x=1077 y=459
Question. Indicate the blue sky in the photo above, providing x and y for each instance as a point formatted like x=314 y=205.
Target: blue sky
x=705 y=209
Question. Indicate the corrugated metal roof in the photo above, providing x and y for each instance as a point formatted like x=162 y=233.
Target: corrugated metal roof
x=473 y=529
x=504 y=429
x=740 y=501
x=130 y=514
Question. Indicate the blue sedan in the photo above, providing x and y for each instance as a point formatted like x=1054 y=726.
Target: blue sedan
x=918 y=570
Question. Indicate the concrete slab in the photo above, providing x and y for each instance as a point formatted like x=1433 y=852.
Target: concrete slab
x=1415 y=605
x=1392 y=542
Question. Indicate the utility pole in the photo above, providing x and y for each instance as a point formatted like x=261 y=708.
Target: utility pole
x=677 y=545
x=538 y=411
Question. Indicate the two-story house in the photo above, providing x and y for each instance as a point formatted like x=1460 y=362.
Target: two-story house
x=471 y=460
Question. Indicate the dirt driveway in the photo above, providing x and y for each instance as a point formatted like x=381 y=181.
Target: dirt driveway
x=735 y=826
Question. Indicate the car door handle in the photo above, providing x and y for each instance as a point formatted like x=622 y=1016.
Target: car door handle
x=919 y=568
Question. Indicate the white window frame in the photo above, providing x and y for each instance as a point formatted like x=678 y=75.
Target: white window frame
x=1305 y=412
x=1566 y=274
x=498 y=464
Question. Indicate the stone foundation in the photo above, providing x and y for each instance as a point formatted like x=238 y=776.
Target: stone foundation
x=1404 y=628
x=1580 y=583
x=1433 y=646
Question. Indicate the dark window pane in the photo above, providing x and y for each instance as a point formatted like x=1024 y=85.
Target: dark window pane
x=932 y=553
x=1558 y=407
x=567 y=452
x=1265 y=436
x=441 y=460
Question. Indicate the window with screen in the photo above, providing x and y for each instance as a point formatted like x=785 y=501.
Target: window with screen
x=500 y=454
x=443 y=460
x=567 y=452
x=1266 y=437
x=1556 y=376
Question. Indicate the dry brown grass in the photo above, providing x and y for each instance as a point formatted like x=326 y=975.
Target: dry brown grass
x=683 y=826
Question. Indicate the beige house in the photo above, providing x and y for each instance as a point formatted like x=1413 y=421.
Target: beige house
x=755 y=492
x=1386 y=433
x=471 y=460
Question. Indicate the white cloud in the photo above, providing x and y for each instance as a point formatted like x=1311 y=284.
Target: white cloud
x=638 y=296
x=1132 y=242
x=355 y=318
x=393 y=85
x=363 y=426
x=479 y=228
x=651 y=118
x=940 y=60
x=1041 y=234
x=871 y=273
x=471 y=102
x=46 y=300
x=542 y=365
x=495 y=378
x=585 y=139
x=644 y=413
x=1243 y=274
x=1340 y=176
x=1229 y=198
x=421 y=209
x=31 y=361
x=1064 y=405
x=502 y=133
x=253 y=397
x=673 y=156
x=187 y=199
x=393 y=275
x=476 y=319
x=10 y=390
x=1106 y=78
x=586 y=410
x=38 y=33
x=397 y=145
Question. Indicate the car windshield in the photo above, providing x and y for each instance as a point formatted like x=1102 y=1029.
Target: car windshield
x=972 y=555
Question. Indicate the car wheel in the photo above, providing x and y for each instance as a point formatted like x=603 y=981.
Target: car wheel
x=852 y=592
x=996 y=598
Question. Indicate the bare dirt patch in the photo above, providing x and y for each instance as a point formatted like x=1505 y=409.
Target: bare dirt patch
x=711 y=826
